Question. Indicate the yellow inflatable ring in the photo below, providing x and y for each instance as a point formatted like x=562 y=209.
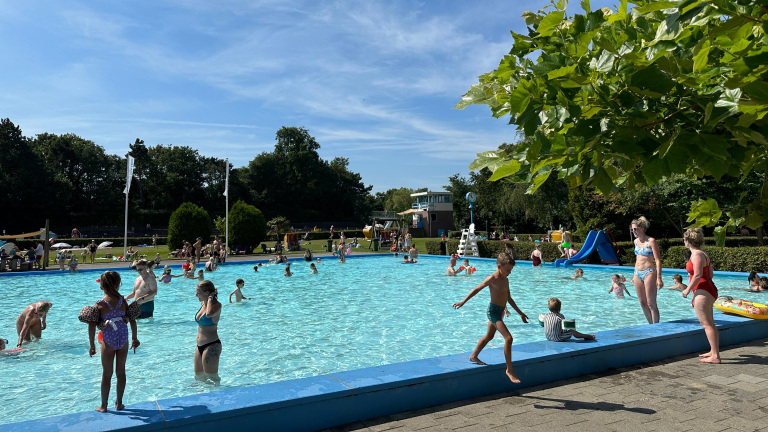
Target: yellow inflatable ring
x=745 y=308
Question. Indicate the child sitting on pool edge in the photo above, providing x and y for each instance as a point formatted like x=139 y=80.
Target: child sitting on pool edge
x=553 y=324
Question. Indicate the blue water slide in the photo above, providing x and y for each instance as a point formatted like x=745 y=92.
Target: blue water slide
x=586 y=250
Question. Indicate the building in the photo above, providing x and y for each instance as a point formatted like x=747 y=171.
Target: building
x=432 y=214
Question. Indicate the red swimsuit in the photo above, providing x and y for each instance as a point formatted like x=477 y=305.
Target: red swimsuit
x=705 y=282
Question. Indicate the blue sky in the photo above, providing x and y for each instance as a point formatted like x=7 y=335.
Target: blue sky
x=372 y=81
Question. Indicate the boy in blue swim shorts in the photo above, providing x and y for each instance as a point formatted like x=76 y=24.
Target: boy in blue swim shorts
x=498 y=285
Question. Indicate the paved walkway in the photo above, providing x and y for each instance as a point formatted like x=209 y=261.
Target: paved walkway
x=677 y=394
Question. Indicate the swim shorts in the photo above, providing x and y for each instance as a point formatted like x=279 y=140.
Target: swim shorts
x=495 y=313
x=147 y=309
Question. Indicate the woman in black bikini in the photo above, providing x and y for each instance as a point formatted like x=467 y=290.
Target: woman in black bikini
x=208 y=348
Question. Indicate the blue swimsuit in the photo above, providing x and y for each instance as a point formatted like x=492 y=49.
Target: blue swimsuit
x=643 y=251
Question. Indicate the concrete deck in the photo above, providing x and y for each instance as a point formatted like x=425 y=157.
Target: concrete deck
x=677 y=394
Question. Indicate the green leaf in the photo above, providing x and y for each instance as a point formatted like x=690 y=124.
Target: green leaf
x=586 y=6
x=655 y=6
x=537 y=181
x=602 y=181
x=701 y=55
x=705 y=212
x=603 y=63
x=491 y=160
x=653 y=79
x=510 y=168
x=757 y=91
x=561 y=72
x=719 y=235
x=550 y=22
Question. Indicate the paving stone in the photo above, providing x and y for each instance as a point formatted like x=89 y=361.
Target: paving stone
x=717 y=379
x=678 y=394
x=749 y=378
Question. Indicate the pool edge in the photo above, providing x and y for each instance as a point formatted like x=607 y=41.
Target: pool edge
x=339 y=398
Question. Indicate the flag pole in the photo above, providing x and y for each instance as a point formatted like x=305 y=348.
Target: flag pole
x=226 y=210
x=128 y=176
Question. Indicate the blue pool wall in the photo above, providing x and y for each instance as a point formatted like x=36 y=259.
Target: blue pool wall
x=328 y=400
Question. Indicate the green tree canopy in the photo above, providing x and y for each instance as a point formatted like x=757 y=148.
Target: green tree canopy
x=247 y=225
x=279 y=225
x=188 y=222
x=608 y=98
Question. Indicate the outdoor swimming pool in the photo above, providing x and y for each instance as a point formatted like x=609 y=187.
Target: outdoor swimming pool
x=362 y=313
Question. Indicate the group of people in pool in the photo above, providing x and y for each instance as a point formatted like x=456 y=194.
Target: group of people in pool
x=646 y=280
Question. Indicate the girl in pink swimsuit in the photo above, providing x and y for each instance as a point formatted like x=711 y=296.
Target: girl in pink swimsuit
x=700 y=273
x=112 y=309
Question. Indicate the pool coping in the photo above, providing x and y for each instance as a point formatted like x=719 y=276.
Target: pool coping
x=344 y=397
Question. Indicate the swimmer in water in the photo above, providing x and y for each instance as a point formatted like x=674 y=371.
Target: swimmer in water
x=31 y=321
x=167 y=276
x=237 y=292
x=288 y=269
x=313 y=268
x=579 y=273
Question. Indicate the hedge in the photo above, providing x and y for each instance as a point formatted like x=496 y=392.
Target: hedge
x=83 y=242
x=737 y=259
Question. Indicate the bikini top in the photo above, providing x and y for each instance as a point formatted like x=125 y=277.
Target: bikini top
x=643 y=251
x=203 y=321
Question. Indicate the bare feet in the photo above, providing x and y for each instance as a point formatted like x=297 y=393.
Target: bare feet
x=513 y=377
x=709 y=354
x=476 y=360
x=119 y=406
x=713 y=360
x=589 y=337
x=101 y=409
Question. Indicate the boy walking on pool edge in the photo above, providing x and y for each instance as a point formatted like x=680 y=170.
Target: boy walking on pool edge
x=498 y=285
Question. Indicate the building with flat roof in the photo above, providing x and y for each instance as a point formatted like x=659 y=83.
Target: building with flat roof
x=432 y=213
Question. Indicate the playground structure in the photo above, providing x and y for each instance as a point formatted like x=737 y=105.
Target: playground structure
x=291 y=242
x=600 y=241
x=392 y=225
x=557 y=236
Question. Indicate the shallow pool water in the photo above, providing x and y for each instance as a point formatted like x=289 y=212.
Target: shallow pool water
x=366 y=312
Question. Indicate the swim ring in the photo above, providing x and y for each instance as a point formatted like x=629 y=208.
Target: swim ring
x=745 y=308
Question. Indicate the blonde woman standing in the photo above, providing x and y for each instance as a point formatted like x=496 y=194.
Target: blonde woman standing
x=699 y=269
x=647 y=278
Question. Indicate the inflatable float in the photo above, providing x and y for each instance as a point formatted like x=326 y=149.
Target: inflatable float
x=745 y=308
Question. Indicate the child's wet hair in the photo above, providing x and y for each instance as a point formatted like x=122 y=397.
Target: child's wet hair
x=580 y=271
x=239 y=281
x=554 y=304
x=677 y=278
x=505 y=258
x=110 y=283
x=763 y=283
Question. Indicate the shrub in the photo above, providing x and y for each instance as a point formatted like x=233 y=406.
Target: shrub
x=188 y=222
x=247 y=225
x=744 y=259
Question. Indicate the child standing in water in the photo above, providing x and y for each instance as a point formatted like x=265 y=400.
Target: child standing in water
x=617 y=287
x=114 y=351
x=498 y=285
x=237 y=292
x=679 y=285
x=313 y=268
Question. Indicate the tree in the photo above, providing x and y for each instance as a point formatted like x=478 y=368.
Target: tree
x=188 y=222
x=25 y=182
x=247 y=225
x=279 y=225
x=609 y=98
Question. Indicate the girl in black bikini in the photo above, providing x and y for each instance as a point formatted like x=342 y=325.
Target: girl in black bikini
x=208 y=344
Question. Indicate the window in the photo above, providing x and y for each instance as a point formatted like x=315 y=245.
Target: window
x=433 y=217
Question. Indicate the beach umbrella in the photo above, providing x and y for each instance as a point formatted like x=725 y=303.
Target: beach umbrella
x=61 y=245
x=105 y=244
